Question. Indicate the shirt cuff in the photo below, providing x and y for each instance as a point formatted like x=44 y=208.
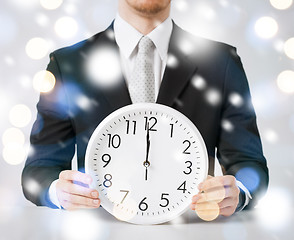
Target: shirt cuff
x=247 y=195
x=53 y=195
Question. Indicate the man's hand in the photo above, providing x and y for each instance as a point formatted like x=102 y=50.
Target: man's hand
x=73 y=196
x=222 y=191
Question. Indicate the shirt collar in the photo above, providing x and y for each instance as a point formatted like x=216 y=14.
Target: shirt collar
x=127 y=37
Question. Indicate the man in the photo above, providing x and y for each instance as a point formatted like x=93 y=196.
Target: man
x=200 y=78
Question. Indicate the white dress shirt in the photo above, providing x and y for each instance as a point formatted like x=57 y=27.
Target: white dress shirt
x=127 y=39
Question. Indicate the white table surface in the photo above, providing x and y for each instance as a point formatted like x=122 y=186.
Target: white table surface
x=40 y=223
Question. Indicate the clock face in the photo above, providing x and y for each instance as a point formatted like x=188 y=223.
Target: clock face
x=146 y=161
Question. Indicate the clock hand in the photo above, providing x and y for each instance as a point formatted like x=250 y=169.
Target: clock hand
x=146 y=163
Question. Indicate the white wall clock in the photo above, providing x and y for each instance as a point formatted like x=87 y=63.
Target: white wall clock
x=146 y=161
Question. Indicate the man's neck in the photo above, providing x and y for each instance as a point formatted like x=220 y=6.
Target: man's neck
x=142 y=22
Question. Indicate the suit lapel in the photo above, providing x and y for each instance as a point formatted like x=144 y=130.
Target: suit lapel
x=177 y=75
x=117 y=95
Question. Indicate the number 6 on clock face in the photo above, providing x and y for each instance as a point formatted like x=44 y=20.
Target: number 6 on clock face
x=146 y=161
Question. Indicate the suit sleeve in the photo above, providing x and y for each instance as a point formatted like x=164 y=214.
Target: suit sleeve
x=52 y=141
x=239 y=147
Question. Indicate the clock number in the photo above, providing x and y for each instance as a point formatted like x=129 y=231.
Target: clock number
x=189 y=145
x=148 y=122
x=106 y=158
x=113 y=141
x=171 y=130
x=107 y=183
x=128 y=126
x=126 y=194
x=165 y=199
x=142 y=205
x=189 y=167
x=182 y=187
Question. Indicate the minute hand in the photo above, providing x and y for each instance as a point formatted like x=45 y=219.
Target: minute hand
x=146 y=162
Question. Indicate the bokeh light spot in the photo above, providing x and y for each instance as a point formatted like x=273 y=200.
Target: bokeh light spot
x=172 y=61
x=213 y=97
x=285 y=81
x=274 y=210
x=37 y=48
x=227 y=125
x=181 y=5
x=83 y=102
x=51 y=4
x=207 y=211
x=66 y=27
x=121 y=213
x=186 y=46
x=14 y=153
x=281 y=4
x=289 y=48
x=236 y=99
x=42 y=19
x=271 y=136
x=249 y=178
x=83 y=225
x=20 y=115
x=9 y=60
x=103 y=66
x=199 y=82
x=266 y=27
x=13 y=135
x=32 y=186
x=44 y=81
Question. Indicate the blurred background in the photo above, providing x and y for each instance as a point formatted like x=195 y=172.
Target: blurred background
x=262 y=31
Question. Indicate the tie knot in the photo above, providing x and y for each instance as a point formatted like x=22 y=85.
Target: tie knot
x=145 y=45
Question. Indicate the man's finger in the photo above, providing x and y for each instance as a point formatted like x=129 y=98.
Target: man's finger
x=228 y=211
x=218 y=182
x=72 y=175
x=69 y=187
x=72 y=206
x=227 y=202
x=80 y=200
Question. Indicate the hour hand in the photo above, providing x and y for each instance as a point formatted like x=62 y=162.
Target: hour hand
x=146 y=162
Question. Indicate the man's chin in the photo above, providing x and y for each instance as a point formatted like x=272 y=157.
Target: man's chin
x=150 y=7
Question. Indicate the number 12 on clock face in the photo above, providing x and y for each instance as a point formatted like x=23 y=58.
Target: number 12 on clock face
x=146 y=161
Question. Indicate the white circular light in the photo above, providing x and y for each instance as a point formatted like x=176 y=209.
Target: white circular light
x=271 y=136
x=199 y=82
x=44 y=81
x=37 y=48
x=42 y=19
x=227 y=125
x=50 y=4
x=236 y=99
x=181 y=5
x=13 y=136
x=20 y=115
x=289 y=48
x=281 y=4
x=66 y=27
x=103 y=66
x=285 y=81
x=266 y=27
x=14 y=154
x=274 y=210
x=172 y=61
x=213 y=97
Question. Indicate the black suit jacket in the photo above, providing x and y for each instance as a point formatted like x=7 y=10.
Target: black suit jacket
x=68 y=114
